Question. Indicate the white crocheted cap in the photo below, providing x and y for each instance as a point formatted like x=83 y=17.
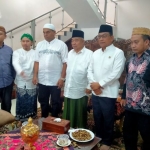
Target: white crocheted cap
x=49 y=26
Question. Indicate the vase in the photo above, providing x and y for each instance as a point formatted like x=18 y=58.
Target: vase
x=30 y=133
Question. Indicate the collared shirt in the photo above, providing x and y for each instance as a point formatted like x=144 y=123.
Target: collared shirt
x=106 y=68
x=7 y=73
x=24 y=61
x=137 y=84
x=76 y=74
x=51 y=56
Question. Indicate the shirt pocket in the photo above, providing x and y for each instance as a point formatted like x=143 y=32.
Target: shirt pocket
x=81 y=68
x=108 y=65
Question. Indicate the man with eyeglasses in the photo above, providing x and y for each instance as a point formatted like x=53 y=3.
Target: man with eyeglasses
x=105 y=69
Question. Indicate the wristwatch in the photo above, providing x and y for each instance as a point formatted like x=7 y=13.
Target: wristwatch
x=62 y=79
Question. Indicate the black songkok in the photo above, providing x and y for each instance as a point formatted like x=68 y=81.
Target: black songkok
x=106 y=28
x=78 y=33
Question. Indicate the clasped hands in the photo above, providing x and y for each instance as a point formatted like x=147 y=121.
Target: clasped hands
x=96 y=87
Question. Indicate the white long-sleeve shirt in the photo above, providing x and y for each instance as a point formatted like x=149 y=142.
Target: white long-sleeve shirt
x=76 y=73
x=106 y=68
x=51 y=56
x=24 y=61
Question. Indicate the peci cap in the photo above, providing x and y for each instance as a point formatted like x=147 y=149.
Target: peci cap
x=78 y=33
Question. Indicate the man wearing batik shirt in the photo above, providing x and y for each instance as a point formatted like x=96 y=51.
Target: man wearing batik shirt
x=136 y=92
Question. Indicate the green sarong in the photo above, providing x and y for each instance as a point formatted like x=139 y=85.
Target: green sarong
x=75 y=110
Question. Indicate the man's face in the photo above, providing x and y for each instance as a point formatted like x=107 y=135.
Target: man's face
x=26 y=43
x=2 y=36
x=105 y=39
x=48 y=34
x=138 y=44
x=77 y=43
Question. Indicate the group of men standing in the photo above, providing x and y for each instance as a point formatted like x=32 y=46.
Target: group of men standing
x=83 y=72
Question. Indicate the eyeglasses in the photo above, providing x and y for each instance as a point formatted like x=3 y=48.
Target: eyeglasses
x=103 y=36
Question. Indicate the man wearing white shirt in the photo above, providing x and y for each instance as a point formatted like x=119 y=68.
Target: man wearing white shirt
x=50 y=70
x=23 y=62
x=75 y=105
x=105 y=69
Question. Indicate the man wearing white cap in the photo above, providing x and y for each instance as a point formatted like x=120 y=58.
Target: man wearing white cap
x=50 y=70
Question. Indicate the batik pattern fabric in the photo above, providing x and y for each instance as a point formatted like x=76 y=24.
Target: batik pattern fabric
x=137 y=83
x=26 y=104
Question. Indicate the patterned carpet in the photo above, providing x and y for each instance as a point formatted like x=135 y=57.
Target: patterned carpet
x=118 y=143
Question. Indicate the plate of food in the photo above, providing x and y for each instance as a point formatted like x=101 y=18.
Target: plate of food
x=63 y=142
x=81 y=135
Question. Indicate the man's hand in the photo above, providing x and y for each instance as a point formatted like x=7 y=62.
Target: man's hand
x=88 y=91
x=98 y=91
x=123 y=102
x=60 y=83
x=35 y=80
x=95 y=85
x=23 y=74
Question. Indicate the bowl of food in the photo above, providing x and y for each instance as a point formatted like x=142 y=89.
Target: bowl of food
x=81 y=135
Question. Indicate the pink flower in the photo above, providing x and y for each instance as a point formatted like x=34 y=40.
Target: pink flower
x=141 y=68
x=129 y=94
x=133 y=104
x=131 y=67
x=136 y=96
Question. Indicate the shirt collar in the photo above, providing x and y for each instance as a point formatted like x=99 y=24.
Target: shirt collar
x=2 y=46
x=108 y=47
x=81 y=51
x=51 y=41
x=147 y=52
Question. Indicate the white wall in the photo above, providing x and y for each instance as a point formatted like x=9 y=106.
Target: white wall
x=90 y=33
x=16 y=12
x=132 y=13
